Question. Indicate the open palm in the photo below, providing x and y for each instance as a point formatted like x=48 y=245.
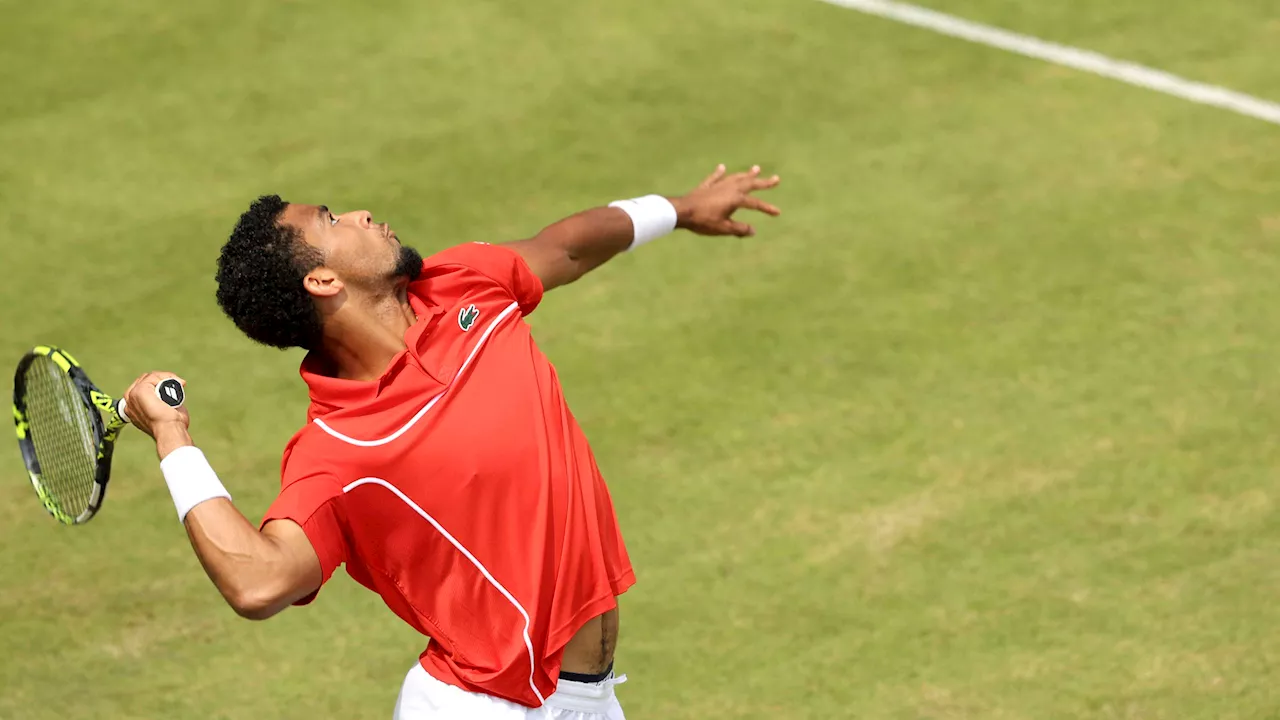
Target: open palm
x=709 y=208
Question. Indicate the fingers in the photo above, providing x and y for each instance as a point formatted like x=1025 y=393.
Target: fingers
x=751 y=181
x=714 y=177
x=740 y=229
x=736 y=177
x=720 y=195
x=147 y=383
x=754 y=203
x=767 y=183
x=145 y=406
x=159 y=376
x=743 y=179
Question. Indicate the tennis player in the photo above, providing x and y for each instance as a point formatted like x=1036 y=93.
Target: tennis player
x=440 y=463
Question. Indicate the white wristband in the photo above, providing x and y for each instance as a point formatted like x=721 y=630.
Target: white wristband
x=191 y=480
x=652 y=216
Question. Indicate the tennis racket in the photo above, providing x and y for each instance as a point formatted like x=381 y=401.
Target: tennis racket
x=65 y=441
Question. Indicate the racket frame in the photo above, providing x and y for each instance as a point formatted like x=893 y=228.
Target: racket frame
x=105 y=432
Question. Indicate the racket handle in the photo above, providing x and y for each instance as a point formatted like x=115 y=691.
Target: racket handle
x=169 y=391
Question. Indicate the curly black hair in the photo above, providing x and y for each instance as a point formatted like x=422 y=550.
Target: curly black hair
x=259 y=277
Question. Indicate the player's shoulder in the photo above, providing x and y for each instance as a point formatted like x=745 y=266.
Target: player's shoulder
x=476 y=255
x=309 y=453
x=477 y=272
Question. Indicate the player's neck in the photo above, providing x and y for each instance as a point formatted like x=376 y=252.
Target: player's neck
x=363 y=336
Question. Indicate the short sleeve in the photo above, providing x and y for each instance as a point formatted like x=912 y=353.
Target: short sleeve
x=314 y=502
x=496 y=264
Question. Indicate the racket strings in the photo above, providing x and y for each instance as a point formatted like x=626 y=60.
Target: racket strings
x=62 y=432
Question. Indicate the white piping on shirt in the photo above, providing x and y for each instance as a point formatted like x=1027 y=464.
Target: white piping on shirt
x=383 y=441
x=528 y=643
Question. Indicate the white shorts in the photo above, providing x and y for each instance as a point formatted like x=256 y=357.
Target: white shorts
x=423 y=697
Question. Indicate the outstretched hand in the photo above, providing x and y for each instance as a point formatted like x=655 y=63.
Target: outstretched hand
x=709 y=208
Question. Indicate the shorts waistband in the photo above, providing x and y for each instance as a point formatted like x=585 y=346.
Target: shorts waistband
x=593 y=698
x=588 y=679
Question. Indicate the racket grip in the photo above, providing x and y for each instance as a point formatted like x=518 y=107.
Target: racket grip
x=169 y=391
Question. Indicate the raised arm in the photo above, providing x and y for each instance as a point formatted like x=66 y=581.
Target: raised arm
x=570 y=248
x=259 y=573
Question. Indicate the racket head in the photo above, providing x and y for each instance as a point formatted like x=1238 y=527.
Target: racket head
x=66 y=445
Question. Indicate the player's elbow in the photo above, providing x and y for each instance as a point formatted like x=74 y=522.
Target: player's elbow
x=252 y=603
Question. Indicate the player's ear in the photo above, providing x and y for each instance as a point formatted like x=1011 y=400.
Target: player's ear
x=322 y=282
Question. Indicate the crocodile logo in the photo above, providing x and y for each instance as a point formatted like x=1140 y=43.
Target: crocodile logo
x=467 y=317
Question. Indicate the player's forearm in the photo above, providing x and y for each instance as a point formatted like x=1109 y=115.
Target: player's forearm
x=580 y=243
x=567 y=250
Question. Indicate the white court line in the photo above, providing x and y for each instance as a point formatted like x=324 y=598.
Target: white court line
x=1090 y=62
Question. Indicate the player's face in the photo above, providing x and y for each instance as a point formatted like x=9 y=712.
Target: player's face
x=361 y=252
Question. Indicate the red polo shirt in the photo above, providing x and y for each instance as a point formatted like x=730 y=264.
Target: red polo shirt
x=459 y=487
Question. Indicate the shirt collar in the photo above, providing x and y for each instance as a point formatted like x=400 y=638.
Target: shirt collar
x=330 y=393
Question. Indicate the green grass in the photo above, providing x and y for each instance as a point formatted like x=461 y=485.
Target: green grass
x=985 y=426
